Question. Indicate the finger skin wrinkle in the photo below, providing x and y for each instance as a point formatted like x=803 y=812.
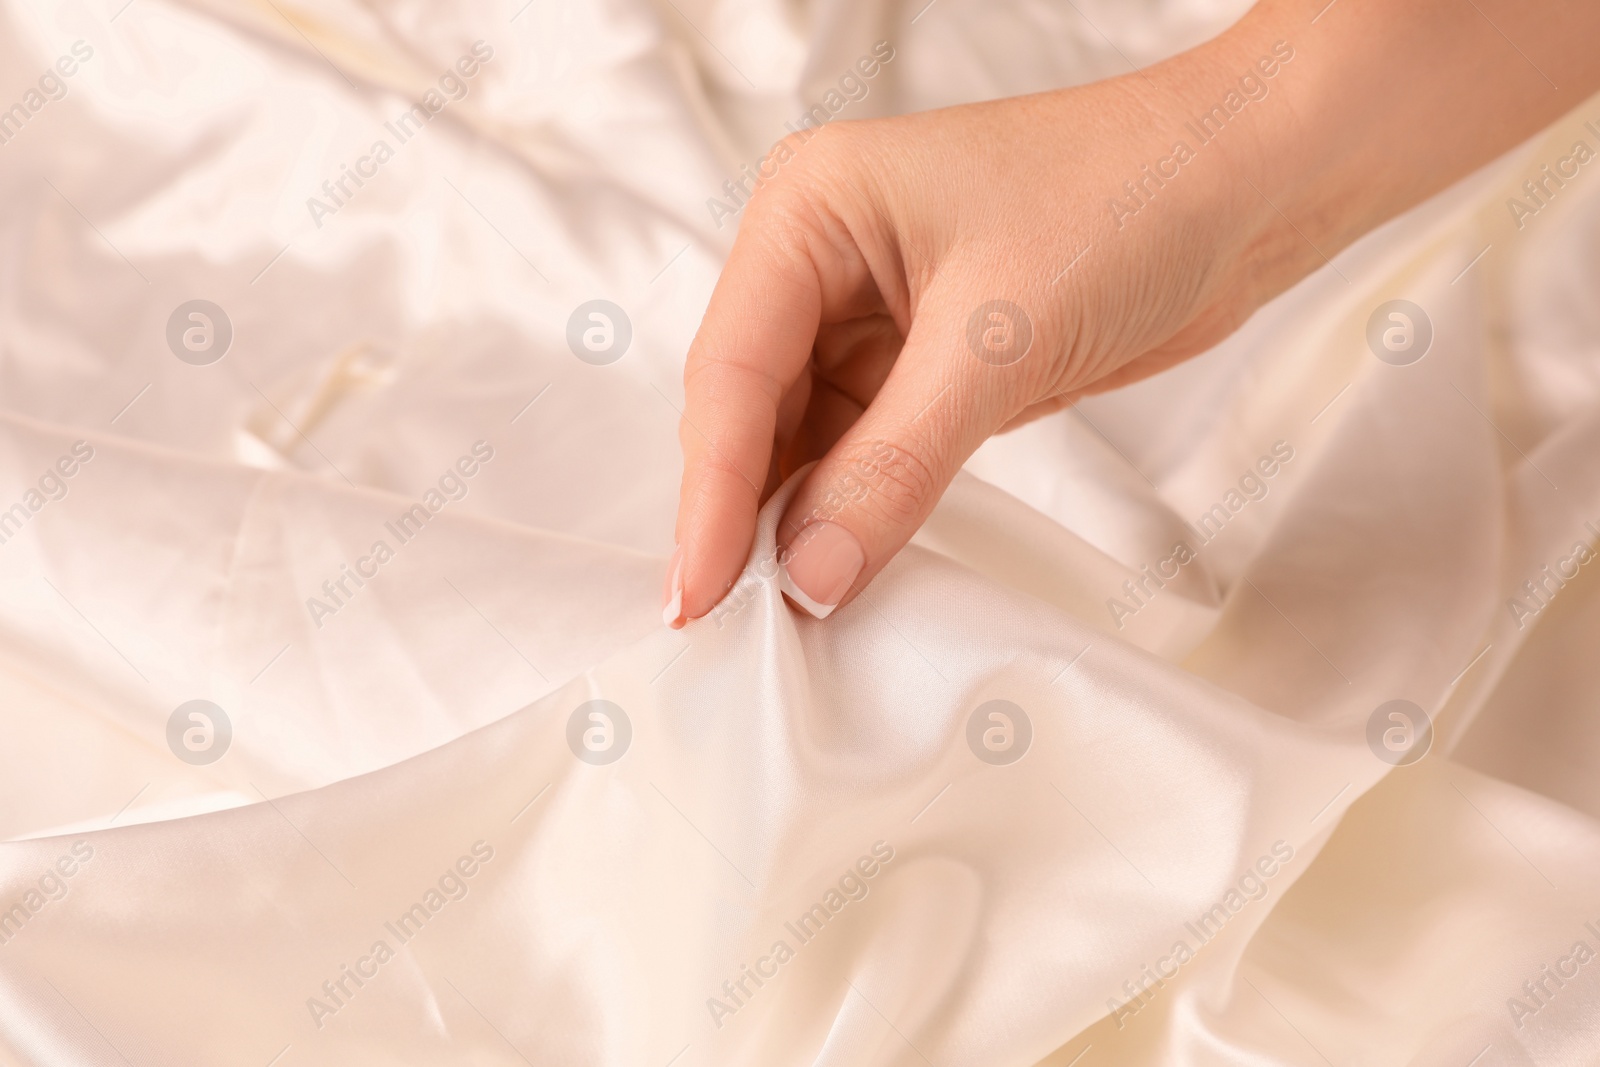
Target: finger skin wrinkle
x=902 y=485
x=859 y=264
x=914 y=489
x=717 y=382
x=718 y=478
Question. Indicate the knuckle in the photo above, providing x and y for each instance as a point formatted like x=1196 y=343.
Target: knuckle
x=907 y=487
x=717 y=469
x=783 y=222
x=828 y=138
x=887 y=483
x=804 y=166
x=733 y=389
x=774 y=206
x=815 y=145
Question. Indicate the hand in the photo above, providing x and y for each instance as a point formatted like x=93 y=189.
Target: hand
x=904 y=288
x=853 y=323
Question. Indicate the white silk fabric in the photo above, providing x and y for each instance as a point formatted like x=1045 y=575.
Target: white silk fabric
x=781 y=841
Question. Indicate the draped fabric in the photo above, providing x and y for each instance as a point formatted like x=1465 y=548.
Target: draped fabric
x=1245 y=715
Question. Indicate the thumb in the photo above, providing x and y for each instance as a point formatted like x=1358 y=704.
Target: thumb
x=875 y=487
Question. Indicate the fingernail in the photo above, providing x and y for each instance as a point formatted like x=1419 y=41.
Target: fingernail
x=672 y=591
x=823 y=560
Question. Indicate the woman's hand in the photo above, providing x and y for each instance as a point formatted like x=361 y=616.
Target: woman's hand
x=904 y=288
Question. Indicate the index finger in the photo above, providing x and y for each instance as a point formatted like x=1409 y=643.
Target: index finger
x=752 y=346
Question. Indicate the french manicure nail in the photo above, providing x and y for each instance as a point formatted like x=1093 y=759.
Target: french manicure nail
x=672 y=592
x=822 y=563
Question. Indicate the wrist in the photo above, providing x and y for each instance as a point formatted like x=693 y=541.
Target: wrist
x=1304 y=134
x=1385 y=104
x=1314 y=164
x=1230 y=104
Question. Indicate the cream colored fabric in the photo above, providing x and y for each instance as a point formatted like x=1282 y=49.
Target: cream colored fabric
x=407 y=765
